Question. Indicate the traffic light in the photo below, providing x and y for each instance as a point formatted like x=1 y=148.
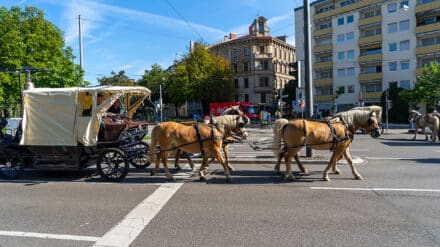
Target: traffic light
x=296 y=72
x=389 y=103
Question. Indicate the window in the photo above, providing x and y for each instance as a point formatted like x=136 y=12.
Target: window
x=404 y=65
x=404 y=25
x=340 y=21
x=246 y=97
x=392 y=66
x=341 y=55
x=404 y=45
x=235 y=53
x=404 y=3
x=350 y=19
x=373 y=88
x=245 y=67
x=392 y=27
x=428 y=41
x=350 y=54
x=405 y=84
x=261 y=27
x=236 y=98
x=350 y=72
x=235 y=67
x=261 y=49
x=341 y=38
x=246 y=83
x=236 y=83
x=392 y=47
x=392 y=7
x=264 y=82
x=246 y=51
x=350 y=88
x=392 y=84
x=263 y=98
x=341 y=73
x=350 y=36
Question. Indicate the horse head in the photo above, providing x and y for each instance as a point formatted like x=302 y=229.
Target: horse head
x=240 y=121
x=373 y=125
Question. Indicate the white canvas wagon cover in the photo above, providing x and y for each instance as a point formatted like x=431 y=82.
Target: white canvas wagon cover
x=68 y=116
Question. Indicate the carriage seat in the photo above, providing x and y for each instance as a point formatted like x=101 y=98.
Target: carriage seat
x=110 y=130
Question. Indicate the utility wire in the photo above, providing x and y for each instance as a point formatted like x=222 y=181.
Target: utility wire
x=183 y=18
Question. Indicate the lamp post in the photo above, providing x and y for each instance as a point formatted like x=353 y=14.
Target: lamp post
x=160 y=101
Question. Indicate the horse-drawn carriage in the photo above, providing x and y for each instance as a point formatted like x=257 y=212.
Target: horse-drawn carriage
x=67 y=129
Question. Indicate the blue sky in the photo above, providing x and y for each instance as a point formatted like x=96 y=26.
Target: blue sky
x=132 y=35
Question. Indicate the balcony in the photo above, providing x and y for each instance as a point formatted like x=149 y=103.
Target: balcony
x=323 y=65
x=427 y=28
x=258 y=55
x=370 y=77
x=323 y=82
x=370 y=58
x=368 y=21
x=322 y=32
x=427 y=49
x=323 y=98
x=363 y=41
x=421 y=7
x=323 y=48
x=372 y=95
x=348 y=8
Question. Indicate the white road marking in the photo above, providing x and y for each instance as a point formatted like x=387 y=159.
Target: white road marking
x=50 y=236
x=137 y=219
x=376 y=189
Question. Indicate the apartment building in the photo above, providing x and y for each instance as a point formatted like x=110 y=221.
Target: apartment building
x=260 y=62
x=360 y=48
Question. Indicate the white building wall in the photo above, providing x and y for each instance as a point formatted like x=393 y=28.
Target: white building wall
x=346 y=63
x=398 y=56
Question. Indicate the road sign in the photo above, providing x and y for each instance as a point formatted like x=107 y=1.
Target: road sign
x=302 y=104
x=294 y=103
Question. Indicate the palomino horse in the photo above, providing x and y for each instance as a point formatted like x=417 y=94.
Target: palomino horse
x=320 y=135
x=229 y=125
x=373 y=108
x=200 y=138
x=429 y=120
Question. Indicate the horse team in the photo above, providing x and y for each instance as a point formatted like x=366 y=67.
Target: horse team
x=429 y=120
x=290 y=137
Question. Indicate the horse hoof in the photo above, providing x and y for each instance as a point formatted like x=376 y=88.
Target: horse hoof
x=326 y=179
x=152 y=173
x=202 y=179
x=289 y=178
x=337 y=172
x=358 y=177
x=305 y=171
x=171 y=178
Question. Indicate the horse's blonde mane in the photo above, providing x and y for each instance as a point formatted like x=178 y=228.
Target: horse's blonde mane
x=354 y=118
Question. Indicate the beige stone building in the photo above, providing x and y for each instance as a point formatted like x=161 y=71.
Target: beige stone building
x=368 y=46
x=260 y=62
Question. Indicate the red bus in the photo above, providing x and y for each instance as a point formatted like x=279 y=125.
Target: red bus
x=251 y=110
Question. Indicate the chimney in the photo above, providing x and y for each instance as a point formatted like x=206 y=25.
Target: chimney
x=232 y=35
x=283 y=38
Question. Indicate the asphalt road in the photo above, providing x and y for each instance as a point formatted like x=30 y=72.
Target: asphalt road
x=397 y=203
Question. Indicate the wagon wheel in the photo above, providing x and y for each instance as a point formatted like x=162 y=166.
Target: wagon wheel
x=112 y=165
x=11 y=164
x=141 y=159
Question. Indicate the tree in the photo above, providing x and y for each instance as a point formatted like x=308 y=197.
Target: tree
x=206 y=77
x=27 y=40
x=117 y=79
x=426 y=89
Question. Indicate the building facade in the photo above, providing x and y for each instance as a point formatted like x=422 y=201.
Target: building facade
x=360 y=48
x=260 y=62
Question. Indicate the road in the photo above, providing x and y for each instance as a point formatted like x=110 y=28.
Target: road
x=395 y=205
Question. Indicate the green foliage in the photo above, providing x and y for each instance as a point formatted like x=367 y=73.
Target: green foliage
x=28 y=40
x=152 y=79
x=426 y=89
x=117 y=79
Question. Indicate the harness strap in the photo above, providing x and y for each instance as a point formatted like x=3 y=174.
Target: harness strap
x=199 y=138
x=333 y=135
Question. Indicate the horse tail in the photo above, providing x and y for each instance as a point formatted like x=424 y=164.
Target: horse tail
x=277 y=135
x=153 y=145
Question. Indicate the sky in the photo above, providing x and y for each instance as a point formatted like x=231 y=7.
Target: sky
x=132 y=35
